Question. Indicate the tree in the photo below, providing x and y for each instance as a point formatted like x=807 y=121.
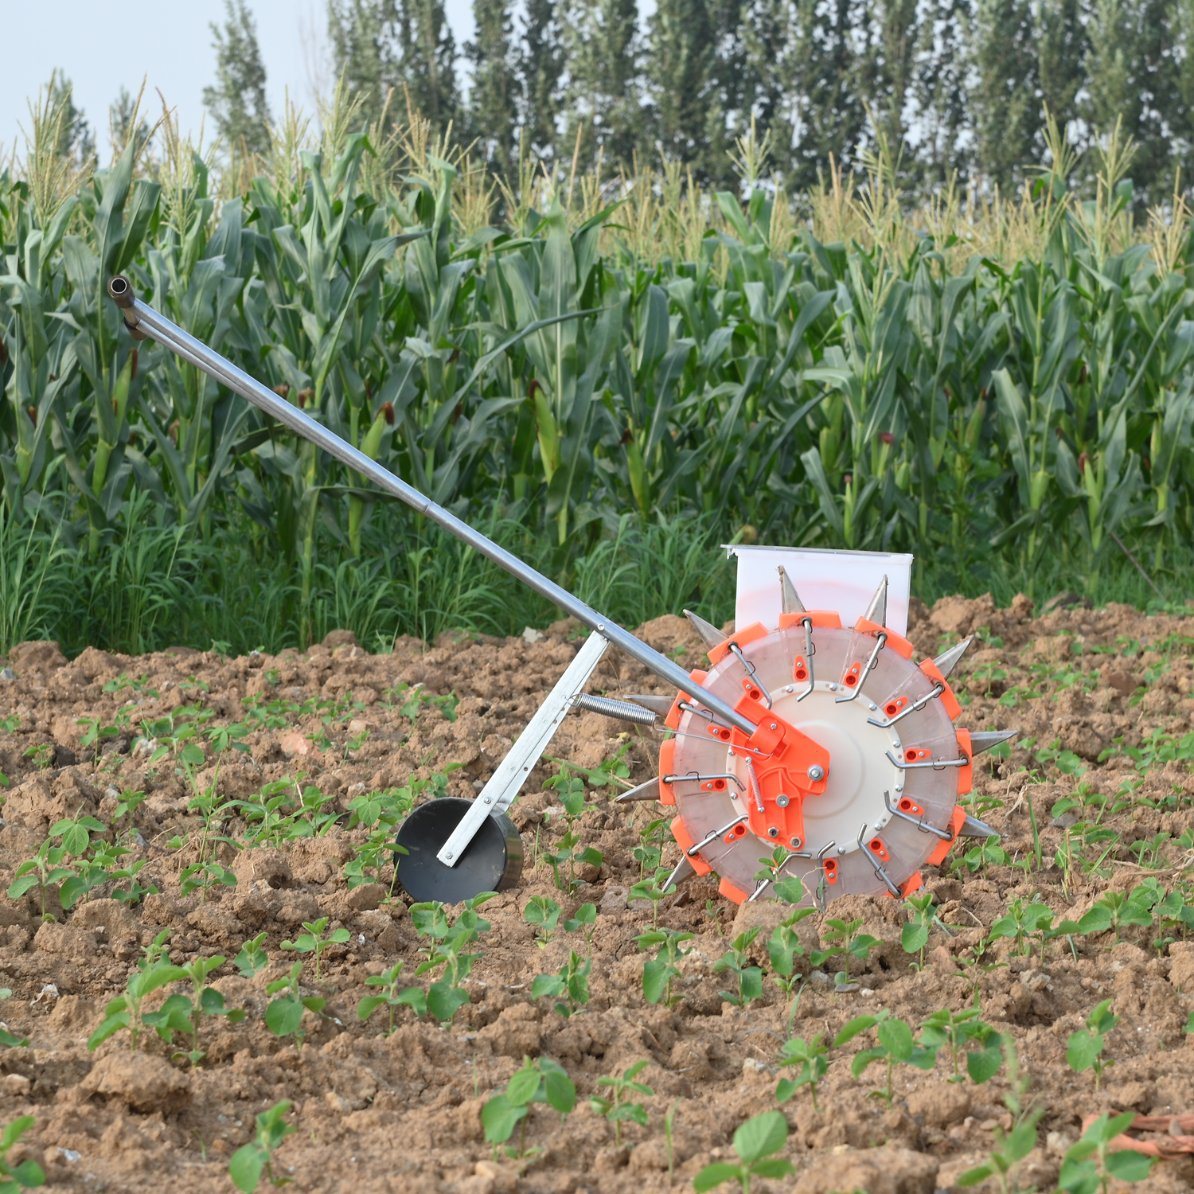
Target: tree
x=940 y=92
x=1005 y=95
x=682 y=82
x=604 y=88
x=125 y=123
x=428 y=62
x=1061 y=48
x=540 y=68
x=1135 y=79
x=494 y=97
x=888 y=69
x=237 y=101
x=362 y=35
x=73 y=138
x=825 y=73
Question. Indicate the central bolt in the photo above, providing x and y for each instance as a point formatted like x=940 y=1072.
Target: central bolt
x=816 y=772
x=782 y=801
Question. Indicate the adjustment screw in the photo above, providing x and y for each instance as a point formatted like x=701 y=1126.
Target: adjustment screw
x=816 y=772
x=782 y=801
x=773 y=726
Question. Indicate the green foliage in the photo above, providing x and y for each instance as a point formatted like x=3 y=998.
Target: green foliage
x=251 y=1161
x=128 y=1011
x=748 y=977
x=810 y=1059
x=25 y=1175
x=316 y=941
x=757 y=1141
x=663 y=969
x=569 y=987
x=894 y=1045
x=1084 y=1049
x=618 y=1104
x=543 y=1081
x=1090 y=1166
x=286 y=1012
x=391 y=996
x=446 y=940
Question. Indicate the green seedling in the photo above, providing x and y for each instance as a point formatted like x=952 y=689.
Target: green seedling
x=1084 y=1049
x=894 y=1045
x=618 y=1104
x=914 y=935
x=543 y=1081
x=390 y=996
x=582 y=920
x=127 y=1011
x=203 y=876
x=55 y=869
x=542 y=913
x=1090 y=1166
x=9 y=1040
x=1012 y=1146
x=569 y=986
x=1111 y=912
x=569 y=852
x=316 y=941
x=963 y=1032
x=662 y=970
x=654 y=889
x=252 y=958
x=255 y=1160
x=736 y=961
x=447 y=952
x=183 y=1013
x=1021 y=923
x=284 y=1015
x=810 y=1059
x=757 y=1141
x=27 y=1174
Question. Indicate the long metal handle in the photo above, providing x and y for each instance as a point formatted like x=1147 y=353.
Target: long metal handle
x=143 y=320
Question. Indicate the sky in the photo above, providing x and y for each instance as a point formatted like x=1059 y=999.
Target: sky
x=103 y=47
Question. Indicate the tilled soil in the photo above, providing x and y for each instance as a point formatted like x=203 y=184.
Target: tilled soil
x=1103 y=694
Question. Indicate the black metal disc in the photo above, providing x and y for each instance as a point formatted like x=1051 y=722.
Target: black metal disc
x=492 y=862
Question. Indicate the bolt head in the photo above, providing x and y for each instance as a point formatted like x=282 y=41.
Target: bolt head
x=795 y=843
x=816 y=772
x=773 y=832
x=782 y=801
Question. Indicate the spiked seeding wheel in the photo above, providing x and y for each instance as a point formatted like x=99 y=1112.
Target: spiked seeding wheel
x=808 y=749
x=859 y=784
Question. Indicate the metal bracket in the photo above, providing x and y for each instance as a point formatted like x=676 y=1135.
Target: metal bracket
x=511 y=773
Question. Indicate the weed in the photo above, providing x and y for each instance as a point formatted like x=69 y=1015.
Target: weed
x=254 y=1160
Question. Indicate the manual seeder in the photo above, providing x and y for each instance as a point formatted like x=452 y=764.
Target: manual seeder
x=807 y=749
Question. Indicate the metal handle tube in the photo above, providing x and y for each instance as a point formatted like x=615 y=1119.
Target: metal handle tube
x=143 y=319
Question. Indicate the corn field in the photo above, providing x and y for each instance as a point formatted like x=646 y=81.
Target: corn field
x=752 y=377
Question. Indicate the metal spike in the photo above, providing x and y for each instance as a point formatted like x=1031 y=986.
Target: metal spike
x=790 y=602
x=684 y=870
x=661 y=706
x=647 y=791
x=949 y=660
x=973 y=827
x=709 y=633
x=877 y=610
x=981 y=740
